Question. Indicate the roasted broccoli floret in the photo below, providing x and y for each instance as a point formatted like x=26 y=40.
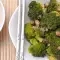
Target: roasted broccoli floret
x=29 y=32
x=51 y=20
x=52 y=6
x=37 y=50
x=35 y=10
x=49 y=51
x=54 y=42
x=51 y=56
x=53 y=39
x=53 y=51
x=38 y=35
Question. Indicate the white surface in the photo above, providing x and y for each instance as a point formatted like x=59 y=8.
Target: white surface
x=2 y=15
x=13 y=32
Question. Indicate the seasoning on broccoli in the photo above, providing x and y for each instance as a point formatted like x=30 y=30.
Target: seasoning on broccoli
x=52 y=6
x=37 y=50
x=35 y=10
x=51 y=20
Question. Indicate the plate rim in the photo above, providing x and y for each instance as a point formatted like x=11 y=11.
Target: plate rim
x=3 y=15
x=9 y=27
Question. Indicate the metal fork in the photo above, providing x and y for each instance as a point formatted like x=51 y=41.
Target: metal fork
x=20 y=33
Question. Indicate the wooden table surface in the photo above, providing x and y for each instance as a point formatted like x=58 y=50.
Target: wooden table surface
x=7 y=49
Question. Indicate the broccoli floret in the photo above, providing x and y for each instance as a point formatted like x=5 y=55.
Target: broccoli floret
x=53 y=39
x=49 y=51
x=37 y=50
x=51 y=56
x=35 y=10
x=53 y=51
x=29 y=32
x=51 y=20
x=38 y=35
x=52 y=6
x=54 y=42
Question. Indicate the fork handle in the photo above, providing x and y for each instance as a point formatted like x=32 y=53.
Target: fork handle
x=21 y=56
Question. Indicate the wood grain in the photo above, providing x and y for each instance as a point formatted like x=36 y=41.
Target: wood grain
x=7 y=50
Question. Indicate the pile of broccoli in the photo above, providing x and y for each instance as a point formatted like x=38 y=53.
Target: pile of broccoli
x=41 y=31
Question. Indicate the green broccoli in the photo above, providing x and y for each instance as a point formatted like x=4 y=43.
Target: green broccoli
x=33 y=41
x=54 y=42
x=51 y=20
x=52 y=6
x=53 y=51
x=35 y=10
x=49 y=51
x=29 y=32
x=53 y=39
x=38 y=32
x=39 y=38
x=38 y=35
x=37 y=50
x=58 y=29
x=36 y=40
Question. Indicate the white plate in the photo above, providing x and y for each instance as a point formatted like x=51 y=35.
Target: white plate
x=2 y=15
x=13 y=32
x=13 y=27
